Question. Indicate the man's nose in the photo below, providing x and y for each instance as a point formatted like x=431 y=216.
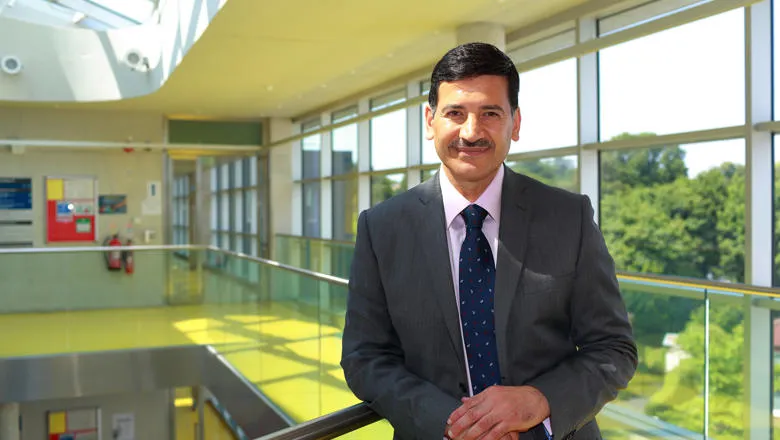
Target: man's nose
x=470 y=130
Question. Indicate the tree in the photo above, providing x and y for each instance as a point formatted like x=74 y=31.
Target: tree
x=625 y=169
x=681 y=400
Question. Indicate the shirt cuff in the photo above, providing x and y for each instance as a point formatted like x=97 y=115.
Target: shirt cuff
x=548 y=428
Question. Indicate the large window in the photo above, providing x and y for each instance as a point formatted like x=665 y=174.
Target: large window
x=676 y=210
x=687 y=78
x=234 y=205
x=548 y=107
x=388 y=133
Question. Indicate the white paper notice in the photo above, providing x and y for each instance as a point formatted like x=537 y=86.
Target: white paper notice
x=152 y=205
x=76 y=189
x=124 y=426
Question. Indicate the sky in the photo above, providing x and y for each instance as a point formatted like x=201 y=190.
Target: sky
x=687 y=78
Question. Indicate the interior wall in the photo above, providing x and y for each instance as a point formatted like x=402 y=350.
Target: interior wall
x=151 y=411
x=46 y=282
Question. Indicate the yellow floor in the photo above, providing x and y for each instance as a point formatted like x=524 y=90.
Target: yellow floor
x=279 y=347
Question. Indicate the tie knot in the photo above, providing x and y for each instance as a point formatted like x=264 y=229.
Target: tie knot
x=474 y=215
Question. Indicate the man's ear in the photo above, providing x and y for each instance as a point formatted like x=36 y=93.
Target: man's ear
x=429 y=113
x=516 y=124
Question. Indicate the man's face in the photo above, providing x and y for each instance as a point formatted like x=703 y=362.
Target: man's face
x=473 y=126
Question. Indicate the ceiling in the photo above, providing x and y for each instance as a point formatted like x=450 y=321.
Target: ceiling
x=286 y=58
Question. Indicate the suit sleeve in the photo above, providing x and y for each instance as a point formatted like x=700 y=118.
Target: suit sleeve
x=373 y=359
x=606 y=359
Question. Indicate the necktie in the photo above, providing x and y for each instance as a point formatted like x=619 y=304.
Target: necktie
x=477 y=282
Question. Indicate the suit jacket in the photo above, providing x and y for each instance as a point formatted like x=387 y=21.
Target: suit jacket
x=561 y=324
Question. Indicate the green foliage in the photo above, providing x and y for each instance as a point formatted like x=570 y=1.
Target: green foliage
x=658 y=219
x=560 y=172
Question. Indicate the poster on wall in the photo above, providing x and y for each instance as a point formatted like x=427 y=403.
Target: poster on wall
x=16 y=215
x=71 y=214
x=76 y=424
x=112 y=204
x=123 y=426
x=152 y=204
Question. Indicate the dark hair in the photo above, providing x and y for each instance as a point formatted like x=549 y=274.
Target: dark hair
x=471 y=60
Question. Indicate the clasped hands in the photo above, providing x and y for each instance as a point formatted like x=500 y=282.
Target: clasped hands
x=498 y=413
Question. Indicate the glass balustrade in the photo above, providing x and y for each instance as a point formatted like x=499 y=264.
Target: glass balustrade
x=281 y=328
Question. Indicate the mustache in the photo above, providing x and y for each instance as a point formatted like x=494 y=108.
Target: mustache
x=462 y=143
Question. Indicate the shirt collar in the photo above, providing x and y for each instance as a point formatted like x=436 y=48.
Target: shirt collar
x=454 y=202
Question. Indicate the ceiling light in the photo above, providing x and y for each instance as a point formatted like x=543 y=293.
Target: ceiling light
x=269 y=87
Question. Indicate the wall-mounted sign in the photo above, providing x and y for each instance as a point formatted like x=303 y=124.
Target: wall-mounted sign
x=16 y=215
x=112 y=204
x=71 y=209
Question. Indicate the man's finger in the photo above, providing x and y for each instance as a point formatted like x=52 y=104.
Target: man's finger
x=470 y=414
x=480 y=428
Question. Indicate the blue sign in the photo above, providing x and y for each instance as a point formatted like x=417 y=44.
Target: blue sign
x=15 y=194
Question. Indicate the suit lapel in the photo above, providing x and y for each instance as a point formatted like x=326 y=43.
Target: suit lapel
x=513 y=239
x=431 y=232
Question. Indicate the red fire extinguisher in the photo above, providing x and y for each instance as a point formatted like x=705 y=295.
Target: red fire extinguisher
x=114 y=257
x=128 y=259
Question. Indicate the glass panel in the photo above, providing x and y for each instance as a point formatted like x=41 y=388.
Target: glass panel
x=548 y=107
x=385 y=186
x=777 y=211
x=214 y=211
x=214 y=179
x=560 y=172
x=687 y=78
x=676 y=210
x=224 y=209
x=311 y=209
x=429 y=154
x=345 y=149
x=345 y=209
x=250 y=222
x=427 y=174
x=388 y=141
x=665 y=396
x=776 y=57
x=253 y=171
x=726 y=360
x=66 y=309
x=238 y=174
x=238 y=206
x=224 y=176
x=311 y=148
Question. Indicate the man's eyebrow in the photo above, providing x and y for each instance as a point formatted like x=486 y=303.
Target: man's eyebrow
x=484 y=107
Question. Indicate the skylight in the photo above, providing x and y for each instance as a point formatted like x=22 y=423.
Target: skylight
x=91 y=14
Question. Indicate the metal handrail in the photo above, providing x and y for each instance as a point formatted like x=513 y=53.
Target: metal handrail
x=305 y=272
x=670 y=280
x=697 y=283
x=328 y=426
x=88 y=249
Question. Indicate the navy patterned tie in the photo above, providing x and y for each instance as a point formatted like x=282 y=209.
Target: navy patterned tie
x=477 y=282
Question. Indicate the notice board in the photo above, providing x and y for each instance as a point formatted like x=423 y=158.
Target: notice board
x=71 y=209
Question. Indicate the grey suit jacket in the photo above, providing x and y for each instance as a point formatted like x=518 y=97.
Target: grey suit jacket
x=561 y=324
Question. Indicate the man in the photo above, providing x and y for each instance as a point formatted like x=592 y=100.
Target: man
x=482 y=303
